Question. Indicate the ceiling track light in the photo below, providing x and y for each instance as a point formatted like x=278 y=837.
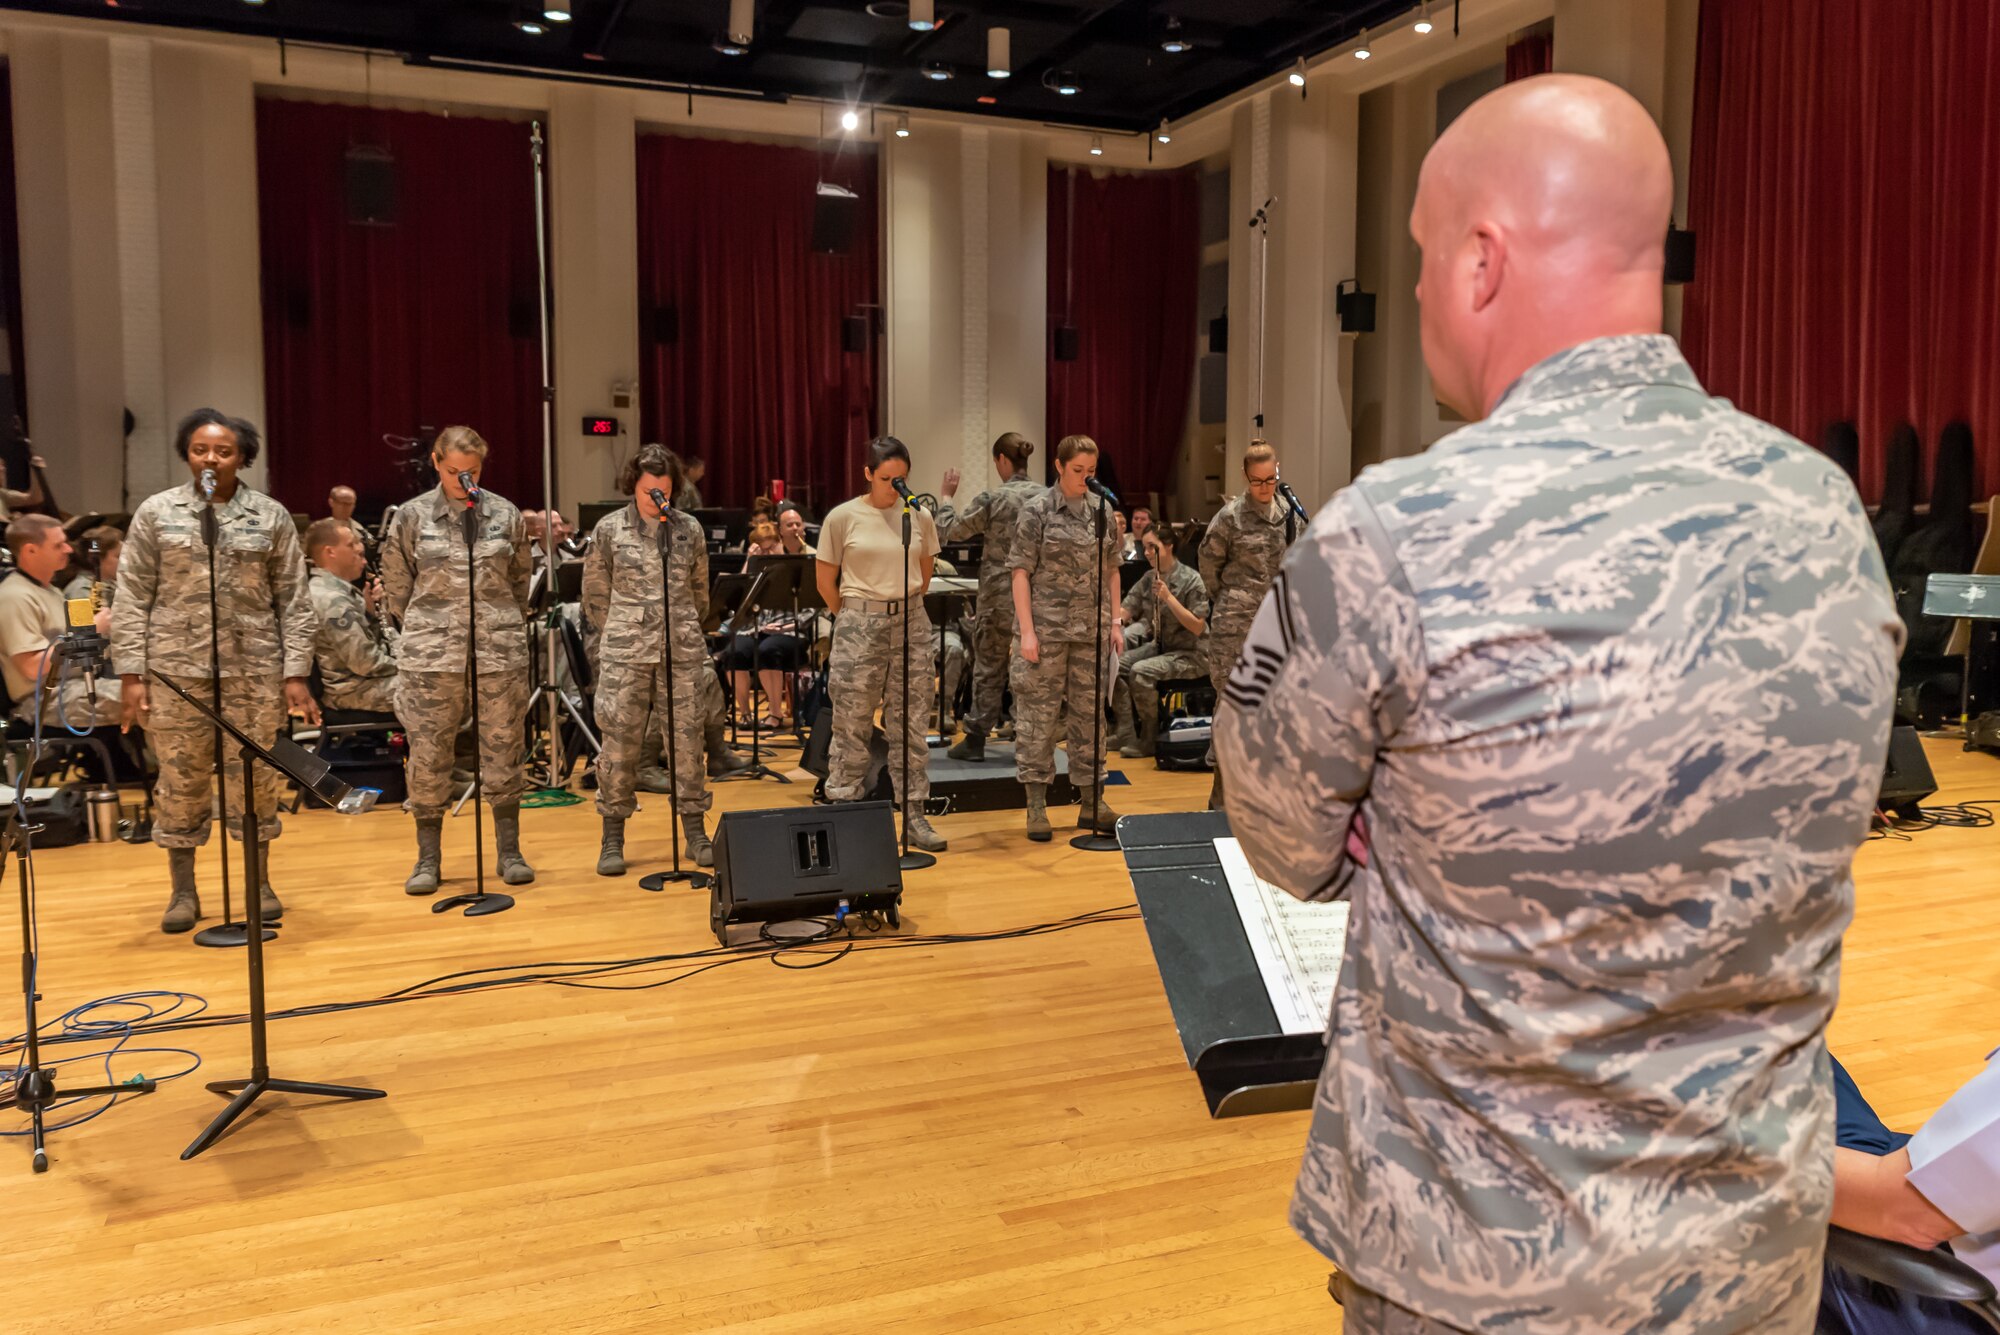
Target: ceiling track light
x=1097 y=146
x=1063 y=82
x=903 y=125
x=1161 y=134
x=532 y=27
x=1174 y=40
x=556 y=11
x=999 y=54
x=850 y=120
x=1362 y=52
x=937 y=73
x=923 y=15
x=1297 y=78
x=1423 y=23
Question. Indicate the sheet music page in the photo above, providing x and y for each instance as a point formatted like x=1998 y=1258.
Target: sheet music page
x=1297 y=944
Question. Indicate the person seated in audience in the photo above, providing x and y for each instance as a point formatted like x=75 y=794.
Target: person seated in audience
x=538 y=522
x=33 y=617
x=355 y=652
x=1872 y=1194
x=1142 y=521
x=95 y=563
x=689 y=495
x=792 y=530
x=340 y=506
x=1128 y=546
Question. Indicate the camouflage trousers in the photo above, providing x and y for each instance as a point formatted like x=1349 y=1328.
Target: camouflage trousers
x=1365 y=1312
x=1067 y=674
x=1221 y=649
x=184 y=741
x=867 y=670
x=951 y=666
x=632 y=717
x=373 y=695
x=69 y=704
x=434 y=705
x=1135 y=701
x=992 y=647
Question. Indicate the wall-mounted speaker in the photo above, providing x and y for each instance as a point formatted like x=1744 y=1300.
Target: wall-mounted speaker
x=1355 y=308
x=1068 y=343
x=368 y=183
x=854 y=333
x=836 y=211
x=1218 y=334
x=1680 y=255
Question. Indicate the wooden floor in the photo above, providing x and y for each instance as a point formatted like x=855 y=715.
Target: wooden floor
x=996 y=1136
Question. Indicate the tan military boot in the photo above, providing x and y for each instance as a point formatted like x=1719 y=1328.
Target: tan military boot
x=1038 y=813
x=611 y=848
x=184 y=909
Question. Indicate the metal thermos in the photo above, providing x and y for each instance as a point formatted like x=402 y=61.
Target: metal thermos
x=104 y=813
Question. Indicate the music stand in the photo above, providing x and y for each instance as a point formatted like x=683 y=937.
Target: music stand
x=798 y=593
x=310 y=772
x=753 y=591
x=946 y=607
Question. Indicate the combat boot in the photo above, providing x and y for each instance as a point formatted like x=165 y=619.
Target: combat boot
x=972 y=746
x=184 y=909
x=424 y=876
x=611 y=849
x=268 y=904
x=695 y=832
x=723 y=760
x=1094 y=813
x=918 y=833
x=1215 y=790
x=1038 y=813
x=514 y=868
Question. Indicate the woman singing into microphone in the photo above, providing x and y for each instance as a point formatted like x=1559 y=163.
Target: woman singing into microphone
x=622 y=594
x=424 y=584
x=865 y=581
x=1055 y=559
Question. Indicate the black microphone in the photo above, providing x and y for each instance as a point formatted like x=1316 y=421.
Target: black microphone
x=472 y=492
x=208 y=483
x=903 y=490
x=1104 y=493
x=1292 y=500
x=659 y=498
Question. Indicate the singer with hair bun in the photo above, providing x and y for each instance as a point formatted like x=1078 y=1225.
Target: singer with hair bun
x=865 y=579
x=262 y=643
x=993 y=515
x=424 y=587
x=1055 y=559
x=625 y=629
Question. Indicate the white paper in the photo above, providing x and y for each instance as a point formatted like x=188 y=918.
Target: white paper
x=1297 y=944
x=34 y=794
x=1981 y=1251
x=1955 y=1158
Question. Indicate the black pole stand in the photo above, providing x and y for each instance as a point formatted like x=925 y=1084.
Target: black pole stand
x=35 y=1089
x=228 y=932
x=910 y=860
x=1090 y=841
x=753 y=608
x=260 y=1080
x=479 y=903
x=659 y=880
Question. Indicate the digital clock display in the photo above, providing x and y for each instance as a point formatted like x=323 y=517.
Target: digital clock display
x=600 y=426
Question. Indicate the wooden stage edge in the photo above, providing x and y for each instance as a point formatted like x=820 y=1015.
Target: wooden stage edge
x=987 y=1136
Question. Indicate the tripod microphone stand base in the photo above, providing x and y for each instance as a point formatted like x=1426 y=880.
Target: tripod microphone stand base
x=477 y=904
x=247 y=1091
x=226 y=934
x=36 y=1092
x=1093 y=842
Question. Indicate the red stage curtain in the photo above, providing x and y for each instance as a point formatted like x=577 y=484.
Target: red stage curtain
x=1136 y=267
x=10 y=258
x=740 y=319
x=1845 y=196
x=373 y=330
x=1529 y=55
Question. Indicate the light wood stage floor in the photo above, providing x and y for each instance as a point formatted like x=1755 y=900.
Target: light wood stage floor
x=992 y=1136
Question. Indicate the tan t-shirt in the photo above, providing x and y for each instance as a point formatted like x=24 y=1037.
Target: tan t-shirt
x=32 y=616
x=867 y=545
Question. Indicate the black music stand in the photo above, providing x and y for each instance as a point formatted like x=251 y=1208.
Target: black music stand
x=750 y=594
x=798 y=593
x=292 y=759
x=945 y=607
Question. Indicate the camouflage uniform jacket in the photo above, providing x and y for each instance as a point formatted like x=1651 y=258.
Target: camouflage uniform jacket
x=622 y=595
x=1055 y=543
x=1606 y=681
x=423 y=580
x=1143 y=604
x=352 y=646
x=1239 y=555
x=160 y=617
x=995 y=514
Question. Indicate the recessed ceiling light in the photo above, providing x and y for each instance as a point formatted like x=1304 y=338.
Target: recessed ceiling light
x=532 y=27
x=1175 y=41
x=937 y=73
x=1097 y=146
x=556 y=11
x=729 y=46
x=1064 y=82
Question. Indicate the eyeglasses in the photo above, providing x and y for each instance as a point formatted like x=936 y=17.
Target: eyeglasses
x=1270 y=481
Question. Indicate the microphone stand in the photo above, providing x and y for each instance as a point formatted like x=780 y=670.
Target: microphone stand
x=659 y=880
x=1092 y=841
x=228 y=932
x=910 y=860
x=479 y=903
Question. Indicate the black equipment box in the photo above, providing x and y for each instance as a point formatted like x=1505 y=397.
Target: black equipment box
x=1186 y=704
x=804 y=862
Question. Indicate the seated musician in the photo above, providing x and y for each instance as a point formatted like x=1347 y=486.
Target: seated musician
x=95 y=562
x=355 y=652
x=1168 y=614
x=774 y=649
x=32 y=618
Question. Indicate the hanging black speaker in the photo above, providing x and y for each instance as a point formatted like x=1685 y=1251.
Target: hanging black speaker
x=1355 y=308
x=666 y=323
x=1068 y=343
x=1680 y=255
x=836 y=211
x=368 y=180
x=1218 y=334
x=854 y=333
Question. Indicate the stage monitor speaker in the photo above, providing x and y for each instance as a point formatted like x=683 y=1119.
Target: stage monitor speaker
x=369 y=185
x=836 y=211
x=854 y=333
x=1218 y=334
x=1068 y=343
x=1680 y=255
x=804 y=862
x=1906 y=780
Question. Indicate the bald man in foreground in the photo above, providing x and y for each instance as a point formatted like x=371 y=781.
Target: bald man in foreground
x=1585 y=708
